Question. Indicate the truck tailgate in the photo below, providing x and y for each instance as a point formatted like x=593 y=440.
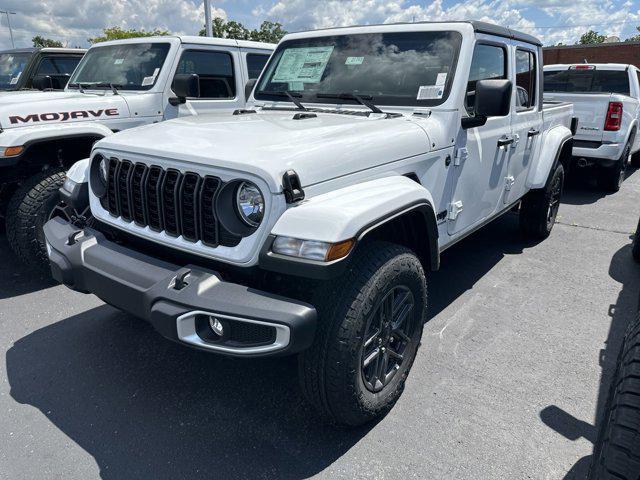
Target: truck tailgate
x=590 y=109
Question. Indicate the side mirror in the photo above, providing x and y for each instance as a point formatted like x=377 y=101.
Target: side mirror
x=185 y=86
x=492 y=99
x=248 y=88
x=42 y=82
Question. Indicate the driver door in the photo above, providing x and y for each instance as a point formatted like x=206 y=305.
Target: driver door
x=482 y=157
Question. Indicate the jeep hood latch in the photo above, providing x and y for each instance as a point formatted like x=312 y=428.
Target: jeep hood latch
x=292 y=187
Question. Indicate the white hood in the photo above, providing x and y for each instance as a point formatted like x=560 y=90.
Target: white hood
x=43 y=108
x=269 y=143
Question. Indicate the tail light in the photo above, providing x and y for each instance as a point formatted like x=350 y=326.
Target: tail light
x=614 y=117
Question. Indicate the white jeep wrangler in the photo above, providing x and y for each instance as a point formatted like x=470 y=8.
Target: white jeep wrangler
x=308 y=224
x=117 y=85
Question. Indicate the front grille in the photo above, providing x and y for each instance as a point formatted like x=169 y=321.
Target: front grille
x=180 y=204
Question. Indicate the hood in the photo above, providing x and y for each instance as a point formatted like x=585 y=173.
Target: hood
x=40 y=108
x=268 y=143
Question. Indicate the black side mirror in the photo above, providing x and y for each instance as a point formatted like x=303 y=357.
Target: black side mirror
x=492 y=99
x=42 y=82
x=185 y=86
x=248 y=88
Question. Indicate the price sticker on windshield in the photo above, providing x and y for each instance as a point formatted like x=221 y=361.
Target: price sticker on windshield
x=354 y=61
x=302 y=64
x=118 y=61
x=430 y=92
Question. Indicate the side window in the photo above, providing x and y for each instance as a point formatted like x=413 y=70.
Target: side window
x=57 y=65
x=489 y=62
x=525 y=79
x=215 y=70
x=638 y=75
x=255 y=64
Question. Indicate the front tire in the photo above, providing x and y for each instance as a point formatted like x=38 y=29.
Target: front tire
x=30 y=207
x=369 y=329
x=539 y=208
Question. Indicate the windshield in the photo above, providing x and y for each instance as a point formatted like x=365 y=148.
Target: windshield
x=587 y=81
x=133 y=66
x=400 y=68
x=11 y=67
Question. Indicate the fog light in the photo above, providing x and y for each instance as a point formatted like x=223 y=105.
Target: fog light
x=216 y=326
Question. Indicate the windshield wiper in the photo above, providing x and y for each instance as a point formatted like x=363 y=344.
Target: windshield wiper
x=292 y=96
x=81 y=86
x=361 y=99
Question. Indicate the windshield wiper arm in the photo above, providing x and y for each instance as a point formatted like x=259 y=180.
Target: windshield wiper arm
x=292 y=96
x=362 y=100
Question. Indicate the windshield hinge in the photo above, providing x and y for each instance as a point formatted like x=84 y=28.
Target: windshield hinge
x=292 y=187
x=461 y=156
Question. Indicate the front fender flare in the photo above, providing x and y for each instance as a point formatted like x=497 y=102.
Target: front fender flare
x=24 y=136
x=350 y=212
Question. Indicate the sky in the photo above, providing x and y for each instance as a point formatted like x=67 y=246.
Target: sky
x=73 y=21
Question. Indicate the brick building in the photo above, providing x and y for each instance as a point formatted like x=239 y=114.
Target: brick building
x=619 y=52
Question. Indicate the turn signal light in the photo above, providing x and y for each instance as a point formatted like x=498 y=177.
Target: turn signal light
x=312 y=249
x=13 y=151
x=614 y=117
x=339 y=250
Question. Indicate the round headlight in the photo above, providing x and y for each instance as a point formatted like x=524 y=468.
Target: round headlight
x=250 y=203
x=103 y=170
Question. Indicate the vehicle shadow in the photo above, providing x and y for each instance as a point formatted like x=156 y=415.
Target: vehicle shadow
x=145 y=407
x=625 y=271
x=581 y=188
x=15 y=278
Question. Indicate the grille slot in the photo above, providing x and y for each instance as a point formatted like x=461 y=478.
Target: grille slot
x=166 y=200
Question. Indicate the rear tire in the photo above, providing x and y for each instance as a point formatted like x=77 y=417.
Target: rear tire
x=617 y=451
x=610 y=179
x=29 y=209
x=352 y=373
x=539 y=208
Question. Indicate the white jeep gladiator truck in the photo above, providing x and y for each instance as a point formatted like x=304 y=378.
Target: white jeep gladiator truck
x=606 y=102
x=117 y=85
x=307 y=224
x=23 y=69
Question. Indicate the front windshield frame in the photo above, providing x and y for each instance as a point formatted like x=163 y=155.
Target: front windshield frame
x=147 y=81
x=25 y=58
x=382 y=100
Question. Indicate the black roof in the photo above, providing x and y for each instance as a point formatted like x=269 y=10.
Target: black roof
x=492 y=29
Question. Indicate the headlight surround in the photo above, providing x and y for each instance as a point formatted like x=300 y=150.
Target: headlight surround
x=250 y=204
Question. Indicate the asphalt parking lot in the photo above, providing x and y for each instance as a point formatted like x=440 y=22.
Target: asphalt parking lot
x=509 y=382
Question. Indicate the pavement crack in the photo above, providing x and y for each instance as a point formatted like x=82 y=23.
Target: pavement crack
x=593 y=228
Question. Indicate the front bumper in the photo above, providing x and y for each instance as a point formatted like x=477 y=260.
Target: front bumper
x=258 y=323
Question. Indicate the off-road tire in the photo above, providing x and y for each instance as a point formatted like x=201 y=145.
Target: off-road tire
x=635 y=246
x=29 y=209
x=330 y=371
x=617 y=450
x=611 y=178
x=539 y=208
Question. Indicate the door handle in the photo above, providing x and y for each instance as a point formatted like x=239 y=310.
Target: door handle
x=506 y=140
x=533 y=132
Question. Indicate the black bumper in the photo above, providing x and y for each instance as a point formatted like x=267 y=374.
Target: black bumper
x=150 y=288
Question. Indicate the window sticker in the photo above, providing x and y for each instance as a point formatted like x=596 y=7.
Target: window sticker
x=354 y=61
x=15 y=79
x=441 y=79
x=149 y=80
x=302 y=64
x=118 y=61
x=430 y=92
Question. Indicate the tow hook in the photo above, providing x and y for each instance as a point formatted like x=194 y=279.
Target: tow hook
x=73 y=237
x=181 y=279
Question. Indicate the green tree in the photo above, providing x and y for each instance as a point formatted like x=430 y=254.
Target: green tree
x=270 y=32
x=39 y=41
x=591 y=37
x=117 y=33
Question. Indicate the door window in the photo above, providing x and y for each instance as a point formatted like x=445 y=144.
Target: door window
x=489 y=62
x=58 y=65
x=255 y=64
x=525 y=79
x=215 y=70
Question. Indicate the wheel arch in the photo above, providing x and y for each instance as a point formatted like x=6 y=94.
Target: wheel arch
x=556 y=147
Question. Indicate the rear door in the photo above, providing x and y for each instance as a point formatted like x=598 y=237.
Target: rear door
x=526 y=119
x=253 y=61
x=58 y=67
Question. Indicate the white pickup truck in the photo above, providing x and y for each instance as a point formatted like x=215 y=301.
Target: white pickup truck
x=606 y=101
x=117 y=85
x=306 y=224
